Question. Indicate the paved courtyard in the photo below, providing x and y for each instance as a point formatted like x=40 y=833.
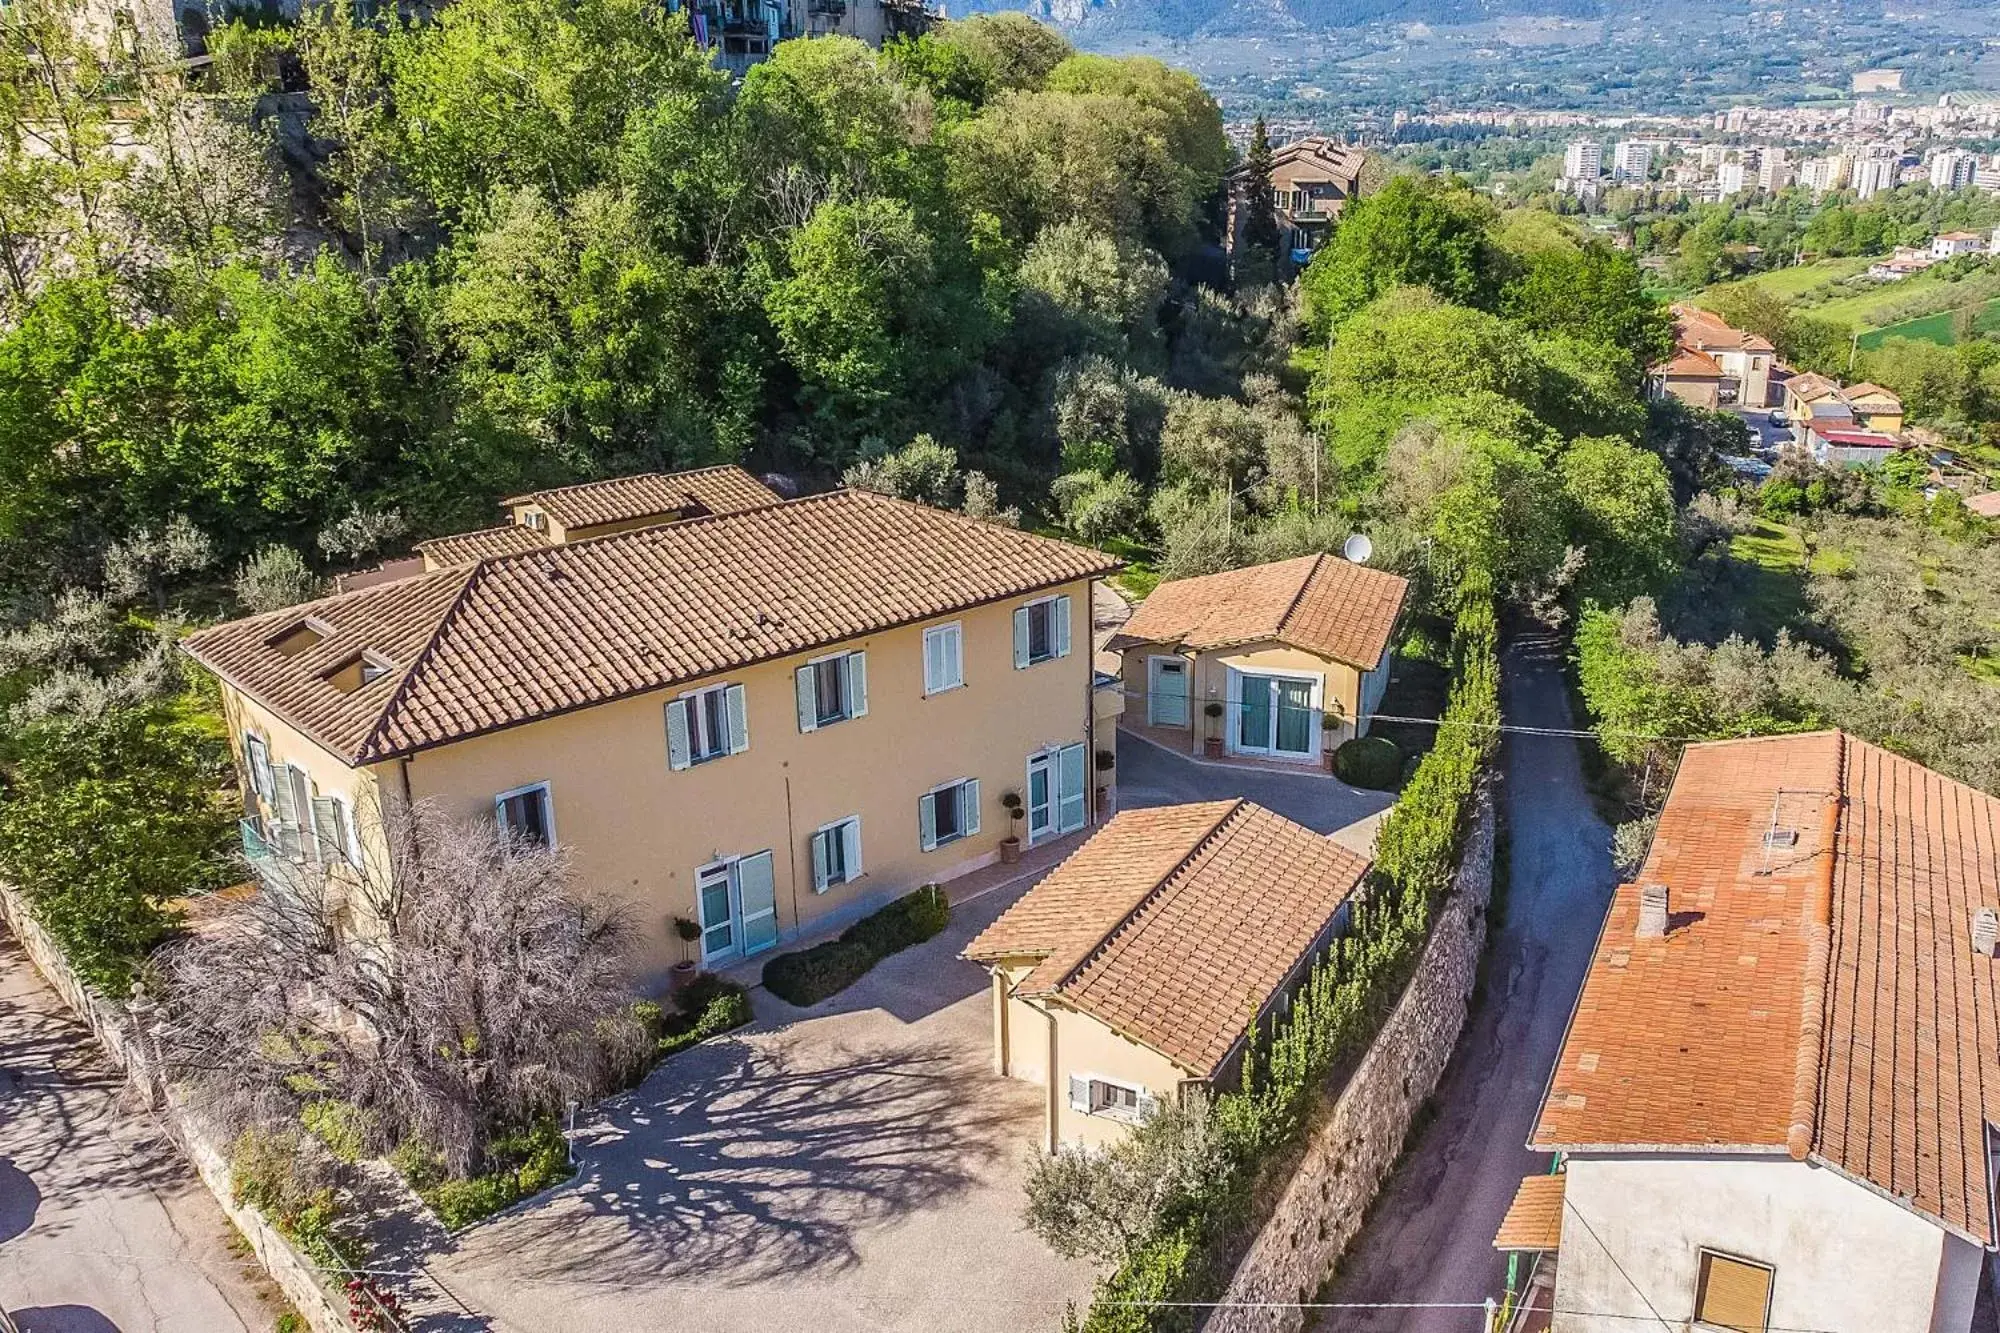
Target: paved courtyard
x=1150 y=775
x=854 y=1166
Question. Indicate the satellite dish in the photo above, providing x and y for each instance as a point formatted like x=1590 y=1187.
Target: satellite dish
x=1358 y=548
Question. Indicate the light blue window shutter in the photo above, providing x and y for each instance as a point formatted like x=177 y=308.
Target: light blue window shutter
x=968 y=807
x=1059 y=626
x=819 y=861
x=850 y=839
x=350 y=834
x=284 y=798
x=857 y=684
x=1079 y=1093
x=679 y=755
x=736 y=703
x=1069 y=788
x=927 y=822
x=933 y=661
x=1020 y=638
x=808 y=700
x=326 y=830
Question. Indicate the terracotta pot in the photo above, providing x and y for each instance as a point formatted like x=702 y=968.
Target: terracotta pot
x=1212 y=747
x=1328 y=758
x=684 y=972
x=1010 y=851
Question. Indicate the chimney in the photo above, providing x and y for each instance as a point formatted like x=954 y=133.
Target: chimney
x=1652 y=911
x=1986 y=932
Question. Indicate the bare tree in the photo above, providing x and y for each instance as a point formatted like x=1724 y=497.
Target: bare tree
x=461 y=990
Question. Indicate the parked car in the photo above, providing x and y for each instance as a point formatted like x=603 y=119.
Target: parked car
x=1779 y=419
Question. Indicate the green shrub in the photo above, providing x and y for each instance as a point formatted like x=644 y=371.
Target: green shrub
x=810 y=975
x=337 y=1124
x=724 y=1006
x=282 y=1175
x=696 y=997
x=1369 y=761
x=521 y=1164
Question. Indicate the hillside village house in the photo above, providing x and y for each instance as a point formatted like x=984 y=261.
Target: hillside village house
x=1296 y=653
x=1742 y=362
x=1812 y=399
x=1311 y=181
x=1133 y=971
x=765 y=721
x=1774 y=1100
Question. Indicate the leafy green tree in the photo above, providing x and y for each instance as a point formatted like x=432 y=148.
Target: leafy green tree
x=1625 y=517
x=1010 y=49
x=104 y=824
x=1081 y=292
x=1214 y=443
x=344 y=62
x=922 y=470
x=821 y=119
x=1417 y=231
x=1593 y=292
x=1093 y=507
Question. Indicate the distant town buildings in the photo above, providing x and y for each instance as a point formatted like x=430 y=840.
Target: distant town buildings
x=1729 y=179
x=1953 y=169
x=1583 y=160
x=1872 y=175
x=1632 y=160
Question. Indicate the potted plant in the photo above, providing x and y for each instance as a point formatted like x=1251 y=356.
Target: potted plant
x=1106 y=761
x=1010 y=846
x=1329 y=725
x=1212 y=744
x=688 y=931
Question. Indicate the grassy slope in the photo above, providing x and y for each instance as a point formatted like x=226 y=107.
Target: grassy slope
x=1859 y=312
x=1932 y=328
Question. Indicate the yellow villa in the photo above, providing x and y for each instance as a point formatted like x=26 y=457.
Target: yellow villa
x=1134 y=970
x=1279 y=661
x=766 y=721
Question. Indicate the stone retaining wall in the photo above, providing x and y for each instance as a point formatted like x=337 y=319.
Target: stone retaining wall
x=1355 y=1148
x=119 y=1035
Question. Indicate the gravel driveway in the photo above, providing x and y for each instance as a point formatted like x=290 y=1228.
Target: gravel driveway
x=1430 y=1238
x=853 y=1166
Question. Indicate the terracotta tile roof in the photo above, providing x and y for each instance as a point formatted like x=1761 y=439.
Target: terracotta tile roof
x=1810 y=386
x=1174 y=925
x=1986 y=504
x=1820 y=998
x=1865 y=390
x=1691 y=364
x=1707 y=330
x=727 y=489
x=1320 y=603
x=464 y=548
x=1534 y=1218
x=1336 y=159
x=520 y=637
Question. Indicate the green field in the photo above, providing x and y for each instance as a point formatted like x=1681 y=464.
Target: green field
x=1932 y=328
x=1799 y=279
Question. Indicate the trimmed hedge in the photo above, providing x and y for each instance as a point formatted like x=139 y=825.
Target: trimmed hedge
x=1369 y=761
x=810 y=975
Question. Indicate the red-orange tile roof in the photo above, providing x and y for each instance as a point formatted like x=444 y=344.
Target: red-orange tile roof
x=520 y=637
x=465 y=548
x=1173 y=925
x=1534 y=1218
x=1320 y=603
x=1820 y=998
x=726 y=489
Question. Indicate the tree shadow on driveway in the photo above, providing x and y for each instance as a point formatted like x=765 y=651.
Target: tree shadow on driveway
x=741 y=1162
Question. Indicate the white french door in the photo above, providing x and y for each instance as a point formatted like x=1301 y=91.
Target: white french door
x=1055 y=793
x=1275 y=714
x=738 y=900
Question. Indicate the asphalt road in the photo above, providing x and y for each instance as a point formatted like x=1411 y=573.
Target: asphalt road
x=1430 y=1238
x=103 y=1228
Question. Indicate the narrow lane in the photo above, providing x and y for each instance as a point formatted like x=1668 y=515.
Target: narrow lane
x=102 y=1225
x=1430 y=1238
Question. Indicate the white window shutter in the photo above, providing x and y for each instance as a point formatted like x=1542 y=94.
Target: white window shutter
x=283 y=798
x=819 y=861
x=1020 y=637
x=968 y=807
x=350 y=832
x=1079 y=1093
x=927 y=822
x=326 y=830
x=258 y=755
x=1149 y=1105
x=850 y=838
x=1059 y=626
x=808 y=700
x=954 y=656
x=679 y=753
x=737 y=704
x=857 y=684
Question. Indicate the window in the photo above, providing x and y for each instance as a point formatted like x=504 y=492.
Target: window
x=832 y=689
x=1041 y=631
x=257 y=757
x=298 y=636
x=944 y=658
x=1108 y=1097
x=334 y=833
x=363 y=668
x=948 y=813
x=836 y=853
x=292 y=803
x=528 y=814
x=535 y=519
x=1732 y=1294
x=706 y=724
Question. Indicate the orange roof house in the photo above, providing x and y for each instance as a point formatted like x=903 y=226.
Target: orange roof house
x=1741 y=362
x=1139 y=963
x=1313 y=634
x=1790 y=1030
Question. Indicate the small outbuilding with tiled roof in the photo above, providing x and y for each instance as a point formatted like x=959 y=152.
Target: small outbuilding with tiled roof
x=1776 y=1098
x=1135 y=968
x=1276 y=661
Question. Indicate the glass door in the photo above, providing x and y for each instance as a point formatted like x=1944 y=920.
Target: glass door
x=738 y=901
x=1253 y=712
x=1041 y=797
x=1294 y=721
x=718 y=917
x=1071 y=811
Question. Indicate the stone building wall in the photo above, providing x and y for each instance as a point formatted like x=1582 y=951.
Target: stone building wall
x=120 y=1037
x=1353 y=1150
